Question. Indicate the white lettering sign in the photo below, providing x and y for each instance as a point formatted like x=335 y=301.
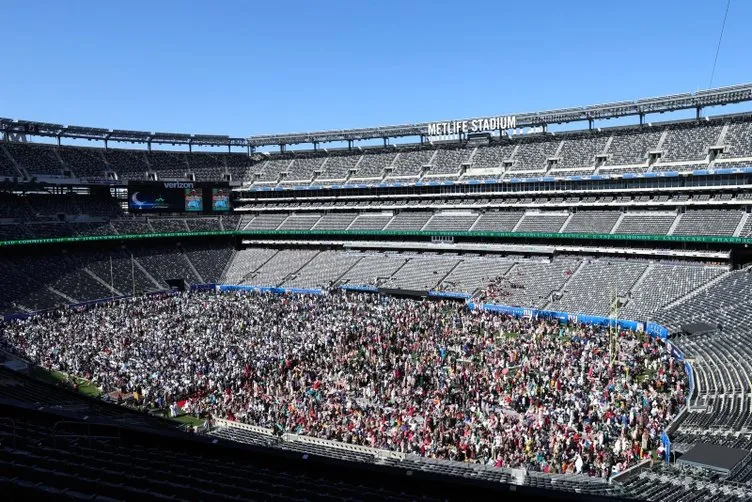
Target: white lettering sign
x=177 y=184
x=471 y=126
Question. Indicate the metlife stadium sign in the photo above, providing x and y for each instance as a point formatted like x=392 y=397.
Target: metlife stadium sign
x=472 y=126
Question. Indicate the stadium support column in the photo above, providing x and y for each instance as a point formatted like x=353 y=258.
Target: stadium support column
x=642 y=118
x=698 y=112
x=349 y=144
x=386 y=142
x=590 y=123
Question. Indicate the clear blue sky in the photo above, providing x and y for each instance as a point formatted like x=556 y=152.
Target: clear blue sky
x=246 y=67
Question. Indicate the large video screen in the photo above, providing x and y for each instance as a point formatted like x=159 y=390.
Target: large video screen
x=178 y=197
x=194 y=200
x=220 y=199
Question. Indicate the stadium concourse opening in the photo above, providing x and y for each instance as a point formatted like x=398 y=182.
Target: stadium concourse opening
x=404 y=293
x=699 y=328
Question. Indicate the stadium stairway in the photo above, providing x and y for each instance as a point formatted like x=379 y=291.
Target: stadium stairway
x=394 y=274
x=294 y=272
x=618 y=222
x=192 y=267
x=101 y=281
x=252 y=272
x=741 y=225
x=641 y=279
x=231 y=258
x=459 y=262
x=338 y=281
x=563 y=228
x=63 y=295
x=146 y=273
x=563 y=289
x=695 y=292
x=675 y=224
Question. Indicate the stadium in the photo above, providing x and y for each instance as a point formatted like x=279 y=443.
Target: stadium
x=556 y=314
x=475 y=303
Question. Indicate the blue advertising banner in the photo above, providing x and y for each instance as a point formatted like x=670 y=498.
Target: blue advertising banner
x=15 y=317
x=674 y=350
x=656 y=330
x=565 y=317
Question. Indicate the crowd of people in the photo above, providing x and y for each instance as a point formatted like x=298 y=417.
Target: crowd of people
x=427 y=377
x=498 y=289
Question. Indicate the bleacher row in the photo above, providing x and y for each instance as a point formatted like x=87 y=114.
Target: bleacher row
x=17 y=159
x=622 y=198
x=39 y=461
x=721 y=409
x=569 y=483
x=656 y=483
x=37 y=216
x=682 y=146
x=570 y=284
x=40 y=207
x=58 y=444
x=711 y=222
x=726 y=223
x=125 y=226
x=46 y=281
x=672 y=484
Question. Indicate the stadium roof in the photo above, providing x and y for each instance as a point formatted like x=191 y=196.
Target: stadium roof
x=640 y=107
x=120 y=135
